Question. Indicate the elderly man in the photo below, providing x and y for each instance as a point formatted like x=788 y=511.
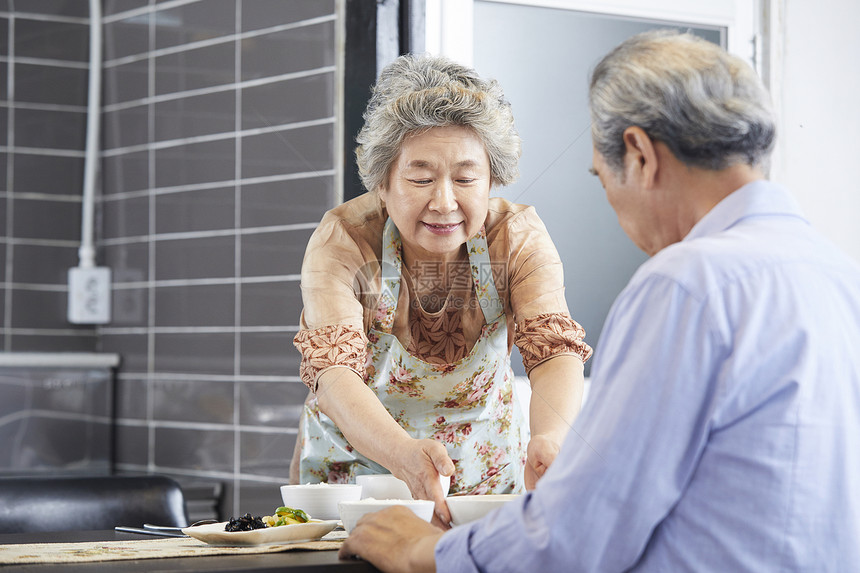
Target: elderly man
x=723 y=428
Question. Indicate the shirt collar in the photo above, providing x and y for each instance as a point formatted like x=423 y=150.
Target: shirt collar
x=753 y=199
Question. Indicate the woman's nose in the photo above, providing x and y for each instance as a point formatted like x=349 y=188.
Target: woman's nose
x=443 y=199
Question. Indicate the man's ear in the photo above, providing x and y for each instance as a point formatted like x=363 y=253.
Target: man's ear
x=640 y=159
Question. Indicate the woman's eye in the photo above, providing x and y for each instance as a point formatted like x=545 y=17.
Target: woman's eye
x=420 y=181
x=465 y=181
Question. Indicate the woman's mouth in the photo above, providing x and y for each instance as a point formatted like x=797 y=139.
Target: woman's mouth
x=441 y=228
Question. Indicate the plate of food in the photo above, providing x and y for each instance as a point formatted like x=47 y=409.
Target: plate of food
x=287 y=525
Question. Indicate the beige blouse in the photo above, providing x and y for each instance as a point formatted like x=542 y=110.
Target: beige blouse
x=341 y=285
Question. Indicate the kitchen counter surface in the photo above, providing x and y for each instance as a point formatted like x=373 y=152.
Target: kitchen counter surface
x=287 y=561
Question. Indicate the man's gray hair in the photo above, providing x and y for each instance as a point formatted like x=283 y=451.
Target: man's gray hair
x=418 y=92
x=709 y=107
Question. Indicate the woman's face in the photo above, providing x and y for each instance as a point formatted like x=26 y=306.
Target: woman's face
x=438 y=191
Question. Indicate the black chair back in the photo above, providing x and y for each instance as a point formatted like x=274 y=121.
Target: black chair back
x=29 y=504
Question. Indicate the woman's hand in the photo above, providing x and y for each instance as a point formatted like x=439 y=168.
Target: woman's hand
x=419 y=464
x=351 y=404
x=541 y=453
x=555 y=400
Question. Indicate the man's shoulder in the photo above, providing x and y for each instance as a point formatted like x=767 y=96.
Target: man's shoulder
x=697 y=266
x=748 y=252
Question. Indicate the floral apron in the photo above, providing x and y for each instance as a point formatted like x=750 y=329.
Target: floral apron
x=468 y=406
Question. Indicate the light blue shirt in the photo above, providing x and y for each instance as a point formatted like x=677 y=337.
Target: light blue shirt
x=722 y=430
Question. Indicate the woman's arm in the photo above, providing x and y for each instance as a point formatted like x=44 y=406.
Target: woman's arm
x=339 y=267
x=556 y=398
x=551 y=343
x=369 y=428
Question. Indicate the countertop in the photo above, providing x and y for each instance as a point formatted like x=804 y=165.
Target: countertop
x=287 y=561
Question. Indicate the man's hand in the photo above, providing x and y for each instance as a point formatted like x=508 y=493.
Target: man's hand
x=541 y=453
x=394 y=539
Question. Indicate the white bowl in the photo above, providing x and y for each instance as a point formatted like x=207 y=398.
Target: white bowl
x=386 y=486
x=382 y=486
x=351 y=511
x=319 y=500
x=466 y=508
x=445 y=482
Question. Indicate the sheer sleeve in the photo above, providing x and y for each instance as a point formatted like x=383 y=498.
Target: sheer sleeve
x=339 y=282
x=335 y=268
x=534 y=288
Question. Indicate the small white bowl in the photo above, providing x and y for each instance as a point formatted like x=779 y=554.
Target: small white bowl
x=382 y=486
x=386 y=486
x=466 y=508
x=351 y=511
x=319 y=500
x=445 y=482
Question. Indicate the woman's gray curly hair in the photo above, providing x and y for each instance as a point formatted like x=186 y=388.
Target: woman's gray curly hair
x=709 y=107
x=418 y=92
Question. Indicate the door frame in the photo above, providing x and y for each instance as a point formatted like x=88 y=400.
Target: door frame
x=754 y=31
x=449 y=23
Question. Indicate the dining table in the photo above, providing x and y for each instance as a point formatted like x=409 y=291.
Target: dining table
x=287 y=560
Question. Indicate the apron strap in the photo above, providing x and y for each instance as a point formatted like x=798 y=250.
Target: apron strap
x=482 y=277
x=390 y=278
x=479 y=262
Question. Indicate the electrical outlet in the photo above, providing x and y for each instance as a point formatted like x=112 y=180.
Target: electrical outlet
x=89 y=295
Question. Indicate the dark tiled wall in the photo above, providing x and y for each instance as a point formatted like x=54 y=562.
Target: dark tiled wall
x=44 y=51
x=218 y=135
x=219 y=138
x=68 y=426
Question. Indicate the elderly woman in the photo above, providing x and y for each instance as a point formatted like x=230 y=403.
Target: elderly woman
x=415 y=292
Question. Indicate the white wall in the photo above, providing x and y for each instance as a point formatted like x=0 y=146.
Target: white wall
x=820 y=100
x=813 y=58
